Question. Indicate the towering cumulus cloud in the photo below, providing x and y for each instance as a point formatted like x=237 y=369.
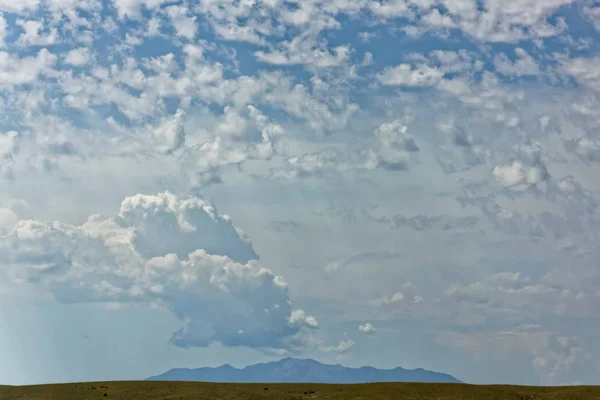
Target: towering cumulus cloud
x=180 y=253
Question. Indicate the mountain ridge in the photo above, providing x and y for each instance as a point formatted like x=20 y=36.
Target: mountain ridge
x=293 y=370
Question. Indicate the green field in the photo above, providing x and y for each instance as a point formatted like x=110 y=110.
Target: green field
x=218 y=391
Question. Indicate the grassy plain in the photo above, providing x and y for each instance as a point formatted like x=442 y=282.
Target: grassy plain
x=220 y=391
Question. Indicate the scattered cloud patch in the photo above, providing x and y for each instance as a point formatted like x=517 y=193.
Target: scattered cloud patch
x=367 y=328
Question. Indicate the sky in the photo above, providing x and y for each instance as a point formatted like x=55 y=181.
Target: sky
x=366 y=182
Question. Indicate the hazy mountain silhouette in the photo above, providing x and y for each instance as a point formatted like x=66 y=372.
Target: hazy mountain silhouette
x=290 y=370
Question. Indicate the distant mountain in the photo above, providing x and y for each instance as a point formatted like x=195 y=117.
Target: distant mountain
x=290 y=370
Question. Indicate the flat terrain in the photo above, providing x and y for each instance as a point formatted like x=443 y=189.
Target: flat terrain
x=218 y=391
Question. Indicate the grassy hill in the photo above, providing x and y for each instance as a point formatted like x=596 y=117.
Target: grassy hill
x=149 y=390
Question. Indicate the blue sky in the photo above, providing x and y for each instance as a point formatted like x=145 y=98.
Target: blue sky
x=370 y=182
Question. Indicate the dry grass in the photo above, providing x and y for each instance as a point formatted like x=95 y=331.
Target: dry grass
x=219 y=391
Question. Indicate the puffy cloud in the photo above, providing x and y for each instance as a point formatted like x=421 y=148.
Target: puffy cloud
x=390 y=147
x=524 y=65
x=367 y=328
x=238 y=139
x=407 y=75
x=178 y=252
x=584 y=70
x=184 y=24
x=343 y=347
x=593 y=14
x=390 y=9
x=407 y=295
x=7 y=219
x=33 y=33
x=326 y=160
x=18 y=7
x=3 y=30
x=520 y=20
x=297 y=52
x=8 y=148
x=18 y=71
x=170 y=134
x=518 y=176
x=133 y=8
x=78 y=57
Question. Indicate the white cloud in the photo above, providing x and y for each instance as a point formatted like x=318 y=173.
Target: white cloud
x=390 y=8
x=407 y=75
x=34 y=35
x=390 y=147
x=584 y=70
x=170 y=134
x=300 y=52
x=18 y=6
x=3 y=30
x=133 y=8
x=518 y=176
x=8 y=149
x=7 y=219
x=78 y=57
x=343 y=347
x=524 y=65
x=593 y=14
x=397 y=297
x=18 y=71
x=179 y=252
x=184 y=24
x=367 y=328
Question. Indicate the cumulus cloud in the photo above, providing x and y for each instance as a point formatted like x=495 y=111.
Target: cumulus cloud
x=593 y=14
x=8 y=219
x=78 y=57
x=524 y=65
x=518 y=176
x=390 y=147
x=18 y=71
x=406 y=296
x=8 y=149
x=583 y=70
x=184 y=24
x=133 y=8
x=407 y=75
x=367 y=328
x=170 y=134
x=203 y=163
x=34 y=35
x=178 y=252
x=343 y=347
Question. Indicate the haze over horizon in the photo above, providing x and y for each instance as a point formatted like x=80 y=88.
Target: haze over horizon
x=392 y=183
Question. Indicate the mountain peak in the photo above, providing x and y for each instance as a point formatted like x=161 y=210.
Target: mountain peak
x=307 y=370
